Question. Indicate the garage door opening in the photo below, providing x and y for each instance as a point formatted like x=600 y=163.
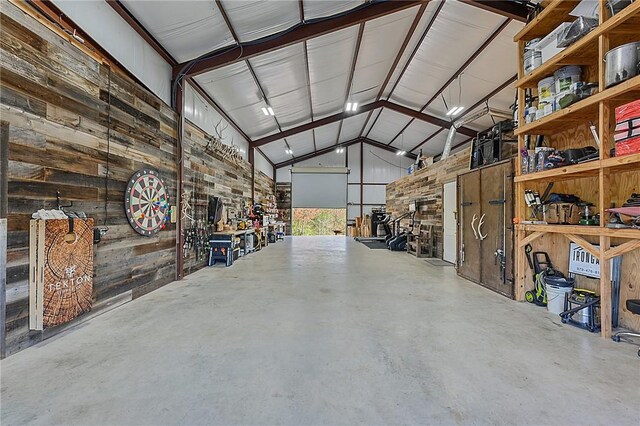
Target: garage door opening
x=314 y=221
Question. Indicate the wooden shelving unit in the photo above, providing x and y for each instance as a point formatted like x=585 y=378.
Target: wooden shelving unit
x=605 y=180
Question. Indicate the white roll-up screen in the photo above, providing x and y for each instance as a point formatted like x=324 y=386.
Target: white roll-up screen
x=323 y=188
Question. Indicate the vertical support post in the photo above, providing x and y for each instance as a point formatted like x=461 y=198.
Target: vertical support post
x=180 y=182
x=521 y=267
x=520 y=209
x=274 y=173
x=252 y=161
x=4 y=209
x=362 y=180
x=605 y=287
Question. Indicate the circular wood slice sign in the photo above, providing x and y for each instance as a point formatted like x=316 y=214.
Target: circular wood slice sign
x=146 y=202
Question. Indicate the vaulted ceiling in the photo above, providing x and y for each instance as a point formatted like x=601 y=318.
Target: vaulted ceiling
x=307 y=58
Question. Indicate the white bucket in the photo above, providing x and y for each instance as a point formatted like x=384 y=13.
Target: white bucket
x=546 y=89
x=555 y=298
x=565 y=77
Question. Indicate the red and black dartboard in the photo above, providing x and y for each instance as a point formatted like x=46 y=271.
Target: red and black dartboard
x=146 y=202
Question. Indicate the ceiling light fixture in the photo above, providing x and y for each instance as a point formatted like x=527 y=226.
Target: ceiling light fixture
x=288 y=151
x=339 y=150
x=455 y=111
x=401 y=152
x=268 y=111
x=352 y=106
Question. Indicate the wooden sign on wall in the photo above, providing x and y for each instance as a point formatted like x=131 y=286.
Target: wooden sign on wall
x=61 y=271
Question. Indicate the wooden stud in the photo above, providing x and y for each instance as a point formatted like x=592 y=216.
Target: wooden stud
x=622 y=248
x=530 y=238
x=605 y=288
x=586 y=245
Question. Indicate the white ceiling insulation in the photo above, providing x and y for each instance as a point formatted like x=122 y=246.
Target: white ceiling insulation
x=457 y=33
x=326 y=135
x=381 y=40
x=288 y=96
x=320 y=8
x=388 y=125
x=252 y=20
x=299 y=94
x=417 y=132
x=186 y=29
x=432 y=6
x=351 y=127
x=276 y=151
x=330 y=59
x=236 y=92
x=302 y=143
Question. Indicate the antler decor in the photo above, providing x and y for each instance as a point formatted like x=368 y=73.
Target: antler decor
x=215 y=144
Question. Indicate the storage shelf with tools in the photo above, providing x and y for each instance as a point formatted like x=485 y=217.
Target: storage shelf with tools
x=604 y=182
x=555 y=12
x=589 y=169
x=585 y=50
x=586 y=109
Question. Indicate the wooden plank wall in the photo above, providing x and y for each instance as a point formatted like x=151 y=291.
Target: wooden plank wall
x=264 y=187
x=426 y=186
x=208 y=174
x=59 y=103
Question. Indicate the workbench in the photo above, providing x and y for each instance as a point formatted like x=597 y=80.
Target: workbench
x=226 y=245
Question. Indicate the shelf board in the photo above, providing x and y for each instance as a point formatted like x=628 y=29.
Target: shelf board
x=626 y=163
x=630 y=163
x=582 y=110
x=555 y=13
x=588 y=169
x=585 y=50
x=582 y=230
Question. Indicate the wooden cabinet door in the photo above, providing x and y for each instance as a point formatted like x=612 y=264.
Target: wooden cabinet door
x=469 y=250
x=496 y=213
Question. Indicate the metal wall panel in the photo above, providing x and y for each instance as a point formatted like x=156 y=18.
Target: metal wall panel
x=262 y=164
x=202 y=114
x=117 y=37
x=354 y=163
x=186 y=28
x=381 y=166
x=374 y=194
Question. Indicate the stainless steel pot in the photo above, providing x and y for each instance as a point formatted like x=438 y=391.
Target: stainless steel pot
x=622 y=63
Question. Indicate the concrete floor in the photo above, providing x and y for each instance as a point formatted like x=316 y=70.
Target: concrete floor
x=323 y=331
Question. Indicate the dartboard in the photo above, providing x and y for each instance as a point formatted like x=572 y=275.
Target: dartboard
x=146 y=202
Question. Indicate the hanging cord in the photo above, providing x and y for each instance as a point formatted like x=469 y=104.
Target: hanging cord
x=106 y=180
x=388 y=162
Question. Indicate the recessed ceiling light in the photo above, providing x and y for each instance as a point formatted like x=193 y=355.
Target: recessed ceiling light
x=288 y=151
x=264 y=111
x=352 y=106
x=270 y=110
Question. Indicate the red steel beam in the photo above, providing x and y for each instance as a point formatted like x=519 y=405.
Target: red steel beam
x=348 y=143
x=299 y=33
x=364 y=108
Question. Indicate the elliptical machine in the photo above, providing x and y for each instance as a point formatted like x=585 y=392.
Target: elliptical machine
x=398 y=242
